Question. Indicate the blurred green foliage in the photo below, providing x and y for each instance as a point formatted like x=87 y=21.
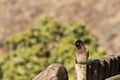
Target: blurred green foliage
x=33 y=50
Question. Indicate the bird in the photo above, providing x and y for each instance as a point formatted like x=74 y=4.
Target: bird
x=81 y=53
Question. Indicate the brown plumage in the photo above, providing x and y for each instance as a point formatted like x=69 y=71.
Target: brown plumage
x=81 y=54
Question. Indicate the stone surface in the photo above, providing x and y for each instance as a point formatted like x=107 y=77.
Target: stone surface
x=53 y=72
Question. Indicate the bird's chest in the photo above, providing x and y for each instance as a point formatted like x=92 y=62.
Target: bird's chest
x=81 y=56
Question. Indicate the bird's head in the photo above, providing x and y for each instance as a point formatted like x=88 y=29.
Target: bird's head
x=79 y=44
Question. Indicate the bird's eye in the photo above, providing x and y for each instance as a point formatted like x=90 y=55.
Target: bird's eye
x=78 y=43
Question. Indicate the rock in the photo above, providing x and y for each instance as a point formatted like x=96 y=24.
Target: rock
x=53 y=72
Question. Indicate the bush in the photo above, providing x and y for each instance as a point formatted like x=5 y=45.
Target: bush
x=33 y=50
